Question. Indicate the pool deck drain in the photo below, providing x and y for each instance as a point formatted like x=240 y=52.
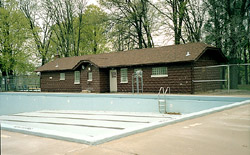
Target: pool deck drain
x=89 y=127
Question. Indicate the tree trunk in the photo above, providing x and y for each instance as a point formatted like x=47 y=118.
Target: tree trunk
x=223 y=76
x=139 y=33
x=246 y=75
x=249 y=56
x=233 y=49
x=245 y=67
x=4 y=73
x=248 y=41
x=175 y=21
x=43 y=60
x=79 y=34
x=234 y=77
x=95 y=44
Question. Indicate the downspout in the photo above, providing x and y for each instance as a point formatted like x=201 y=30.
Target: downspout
x=40 y=84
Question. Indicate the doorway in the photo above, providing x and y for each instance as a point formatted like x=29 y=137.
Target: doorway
x=113 y=80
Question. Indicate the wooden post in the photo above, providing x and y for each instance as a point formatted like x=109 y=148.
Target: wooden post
x=228 y=78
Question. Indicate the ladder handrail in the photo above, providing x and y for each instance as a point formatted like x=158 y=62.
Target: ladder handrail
x=162 y=88
x=168 y=88
x=164 y=92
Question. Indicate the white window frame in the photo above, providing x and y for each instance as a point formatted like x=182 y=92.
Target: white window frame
x=77 y=75
x=159 y=72
x=124 y=75
x=62 y=76
x=90 y=76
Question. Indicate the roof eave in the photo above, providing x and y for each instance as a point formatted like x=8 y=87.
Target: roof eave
x=147 y=64
x=214 y=48
x=52 y=70
x=84 y=61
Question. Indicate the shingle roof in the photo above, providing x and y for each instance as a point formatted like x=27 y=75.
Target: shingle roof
x=157 y=55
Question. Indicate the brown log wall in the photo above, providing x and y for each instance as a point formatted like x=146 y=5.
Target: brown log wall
x=57 y=85
x=179 y=79
x=207 y=74
x=99 y=83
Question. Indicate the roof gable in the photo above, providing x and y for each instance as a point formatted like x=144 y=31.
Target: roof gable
x=165 y=54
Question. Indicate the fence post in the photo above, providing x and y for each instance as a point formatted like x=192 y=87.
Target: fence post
x=5 y=83
x=228 y=79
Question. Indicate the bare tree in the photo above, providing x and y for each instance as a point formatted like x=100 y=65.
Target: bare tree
x=174 y=13
x=194 y=20
x=41 y=32
x=67 y=34
x=135 y=16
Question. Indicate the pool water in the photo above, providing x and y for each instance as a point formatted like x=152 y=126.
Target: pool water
x=98 y=118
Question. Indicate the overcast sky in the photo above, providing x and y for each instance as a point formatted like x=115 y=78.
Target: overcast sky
x=92 y=2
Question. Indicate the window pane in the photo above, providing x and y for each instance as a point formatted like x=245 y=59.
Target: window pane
x=159 y=71
x=89 y=76
x=77 y=77
x=124 y=75
x=62 y=76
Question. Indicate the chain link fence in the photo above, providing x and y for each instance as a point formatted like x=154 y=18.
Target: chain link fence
x=20 y=83
x=222 y=79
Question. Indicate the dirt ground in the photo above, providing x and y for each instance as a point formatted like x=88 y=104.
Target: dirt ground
x=232 y=92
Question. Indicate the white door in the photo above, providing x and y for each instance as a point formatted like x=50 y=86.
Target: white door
x=113 y=80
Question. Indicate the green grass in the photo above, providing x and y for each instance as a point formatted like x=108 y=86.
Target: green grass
x=244 y=87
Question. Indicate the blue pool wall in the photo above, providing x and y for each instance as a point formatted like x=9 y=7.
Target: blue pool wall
x=12 y=103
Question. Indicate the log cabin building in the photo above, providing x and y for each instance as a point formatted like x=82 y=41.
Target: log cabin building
x=168 y=66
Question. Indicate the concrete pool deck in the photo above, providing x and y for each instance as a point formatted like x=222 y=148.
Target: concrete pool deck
x=224 y=132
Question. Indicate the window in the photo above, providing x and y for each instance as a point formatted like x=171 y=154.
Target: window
x=159 y=72
x=89 y=76
x=77 y=77
x=124 y=75
x=62 y=76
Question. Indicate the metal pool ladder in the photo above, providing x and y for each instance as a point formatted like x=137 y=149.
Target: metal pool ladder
x=162 y=102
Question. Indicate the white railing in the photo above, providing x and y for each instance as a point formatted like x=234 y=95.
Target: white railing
x=162 y=102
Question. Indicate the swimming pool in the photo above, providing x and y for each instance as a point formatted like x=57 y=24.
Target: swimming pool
x=11 y=103
x=97 y=118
